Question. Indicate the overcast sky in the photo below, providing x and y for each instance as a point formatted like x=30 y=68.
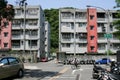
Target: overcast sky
x=81 y=4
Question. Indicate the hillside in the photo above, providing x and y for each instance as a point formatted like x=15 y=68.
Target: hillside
x=52 y=16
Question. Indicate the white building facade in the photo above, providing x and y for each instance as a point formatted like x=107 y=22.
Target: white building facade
x=47 y=38
x=28 y=30
x=73 y=31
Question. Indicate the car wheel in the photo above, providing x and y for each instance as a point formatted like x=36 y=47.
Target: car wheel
x=20 y=73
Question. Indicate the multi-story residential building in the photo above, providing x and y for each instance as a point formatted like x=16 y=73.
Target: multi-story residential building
x=83 y=30
x=28 y=30
x=47 y=39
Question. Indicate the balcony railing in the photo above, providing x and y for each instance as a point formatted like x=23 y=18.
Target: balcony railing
x=101 y=19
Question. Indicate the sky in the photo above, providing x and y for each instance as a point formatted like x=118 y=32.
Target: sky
x=81 y=4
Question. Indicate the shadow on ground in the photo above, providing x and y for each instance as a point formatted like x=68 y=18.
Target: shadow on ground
x=37 y=73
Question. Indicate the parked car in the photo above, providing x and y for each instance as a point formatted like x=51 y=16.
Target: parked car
x=45 y=59
x=11 y=66
x=103 y=61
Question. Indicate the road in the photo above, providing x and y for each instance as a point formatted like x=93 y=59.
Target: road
x=54 y=71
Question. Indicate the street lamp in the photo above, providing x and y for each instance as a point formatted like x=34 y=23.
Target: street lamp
x=23 y=4
x=107 y=15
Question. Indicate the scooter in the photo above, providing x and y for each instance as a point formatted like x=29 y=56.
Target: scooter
x=106 y=76
x=115 y=70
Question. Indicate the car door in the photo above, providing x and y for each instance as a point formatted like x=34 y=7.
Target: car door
x=104 y=60
x=14 y=65
x=4 y=68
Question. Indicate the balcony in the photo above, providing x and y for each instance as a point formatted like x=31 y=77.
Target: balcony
x=101 y=19
x=15 y=37
x=28 y=16
x=32 y=47
x=66 y=40
x=102 y=40
x=16 y=47
x=81 y=40
x=33 y=37
x=67 y=29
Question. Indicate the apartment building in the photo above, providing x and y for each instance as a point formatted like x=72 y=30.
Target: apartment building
x=28 y=30
x=47 y=38
x=84 y=30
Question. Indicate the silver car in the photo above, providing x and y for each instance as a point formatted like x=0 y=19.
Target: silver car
x=11 y=66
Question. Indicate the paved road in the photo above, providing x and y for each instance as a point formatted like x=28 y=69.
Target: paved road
x=53 y=71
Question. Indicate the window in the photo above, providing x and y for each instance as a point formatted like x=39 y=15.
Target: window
x=4 y=61
x=16 y=44
x=82 y=44
x=111 y=27
x=5 y=44
x=18 y=12
x=33 y=22
x=66 y=35
x=100 y=24
x=100 y=15
x=91 y=17
x=67 y=15
x=103 y=29
x=5 y=34
x=81 y=15
x=66 y=45
x=6 y=24
x=82 y=24
x=82 y=36
x=91 y=27
x=13 y=61
x=22 y=42
x=91 y=37
x=16 y=22
x=92 y=47
x=32 y=11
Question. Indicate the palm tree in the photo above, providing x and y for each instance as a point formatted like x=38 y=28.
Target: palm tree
x=6 y=12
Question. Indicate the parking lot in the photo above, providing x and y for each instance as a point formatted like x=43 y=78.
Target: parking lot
x=57 y=71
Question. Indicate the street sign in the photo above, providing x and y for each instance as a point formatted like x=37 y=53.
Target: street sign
x=108 y=36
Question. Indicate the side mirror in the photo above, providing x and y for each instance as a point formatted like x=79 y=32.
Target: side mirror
x=1 y=64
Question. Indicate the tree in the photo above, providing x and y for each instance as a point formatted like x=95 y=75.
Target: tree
x=52 y=16
x=117 y=3
x=116 y=23
x=6 y=12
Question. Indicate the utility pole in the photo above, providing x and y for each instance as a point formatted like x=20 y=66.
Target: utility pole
x=74 y=34
x=31 y=45
x=23 y=4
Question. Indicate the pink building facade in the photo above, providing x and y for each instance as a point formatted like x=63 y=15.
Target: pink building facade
x=5 y=35
x=91 y=30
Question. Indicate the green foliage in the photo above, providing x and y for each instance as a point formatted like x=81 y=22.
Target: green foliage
x=3 y=4
x=117 y=3
x=6 y=10
x=116 y=23
x=109 y=52
x=52 y=16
